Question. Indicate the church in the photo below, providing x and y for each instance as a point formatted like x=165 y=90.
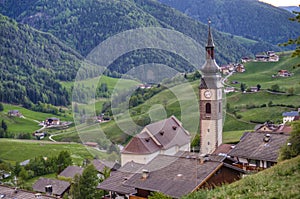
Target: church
x=158 y=159
x=211 y=97
x=168 y=136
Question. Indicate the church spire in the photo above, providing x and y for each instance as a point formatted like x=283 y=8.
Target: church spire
x=210 y=52
x=210 y=42
x=210 y=66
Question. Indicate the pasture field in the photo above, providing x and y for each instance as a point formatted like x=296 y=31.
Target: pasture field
x=13 y=150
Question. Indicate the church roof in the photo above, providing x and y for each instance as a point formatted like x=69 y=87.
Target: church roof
x=210 y=69
x=163 y=134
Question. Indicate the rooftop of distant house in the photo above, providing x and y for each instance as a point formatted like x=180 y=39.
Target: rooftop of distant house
x=71 y=171
x=12 y=193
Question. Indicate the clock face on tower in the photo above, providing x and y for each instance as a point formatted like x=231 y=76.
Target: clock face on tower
x=207 y=94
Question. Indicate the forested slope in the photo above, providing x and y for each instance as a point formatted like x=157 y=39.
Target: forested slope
x=32 y=64
x=248 y=18
x=84 y=24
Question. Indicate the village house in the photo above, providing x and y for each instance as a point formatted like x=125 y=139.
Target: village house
x=52 y=121
x=14 y=113
x=290 y=116
x=177 y=176
x=262 y=58
x=254 y=89
x=269 y=56
x=283 y=73
x=272 y=56
x=246 y=59
x=258 y=150
x=229 y=89
x=71 y=171
x=92 y=144
x=240 y=68
x=163 y=137
x=115 y=183
x=100 y=165
x=53 y=187
x=13 y=193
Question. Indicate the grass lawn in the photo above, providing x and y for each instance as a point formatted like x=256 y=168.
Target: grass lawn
x=12 y=150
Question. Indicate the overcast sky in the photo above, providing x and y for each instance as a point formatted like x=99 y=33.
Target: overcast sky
x=283 y=2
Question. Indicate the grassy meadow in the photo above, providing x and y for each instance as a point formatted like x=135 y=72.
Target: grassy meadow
x=261 y=73
x=13 y=150
x=280 y=181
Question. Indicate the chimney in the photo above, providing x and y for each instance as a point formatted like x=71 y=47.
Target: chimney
x=48 y=189
x=161 y=132
x=145 y=174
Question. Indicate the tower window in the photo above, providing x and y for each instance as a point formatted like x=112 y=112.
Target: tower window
x=208 y=108
x=219 y=107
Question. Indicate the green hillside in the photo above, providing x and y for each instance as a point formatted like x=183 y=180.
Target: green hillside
x=32 y=63
x=29 y=123
x=84 y=24
x=280 y=181
x=261 y=73
x=13 y=151
x=251 y=19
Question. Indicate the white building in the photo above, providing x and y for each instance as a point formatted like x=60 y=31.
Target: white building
x=164 y=137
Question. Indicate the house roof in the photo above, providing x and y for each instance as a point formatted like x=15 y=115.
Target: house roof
x=269 y=126
x=223 y=149
x=25 y=162
x=290 y=114
x=284 y=129
x=159 y=135
x=255 y=146
x=116 y=181
x=58 y=186
x=71 y=171
x=101 y=164
x=175 y=176
x=10 y=193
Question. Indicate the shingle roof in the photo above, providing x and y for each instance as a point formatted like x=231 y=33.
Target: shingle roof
x=101 y=164
x=116 y=181
x=174 y=176
x=10 y=193
x=159 y=135
x=71 y=171
x=223 y=149
x=58 y=186
x=253 y=146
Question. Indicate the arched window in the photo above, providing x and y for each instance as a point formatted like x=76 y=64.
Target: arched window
x=208 y=108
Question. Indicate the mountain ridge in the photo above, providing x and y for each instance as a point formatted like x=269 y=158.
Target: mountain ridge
x=251 y=19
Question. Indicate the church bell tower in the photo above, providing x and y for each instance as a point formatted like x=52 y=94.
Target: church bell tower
x=211 y=95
